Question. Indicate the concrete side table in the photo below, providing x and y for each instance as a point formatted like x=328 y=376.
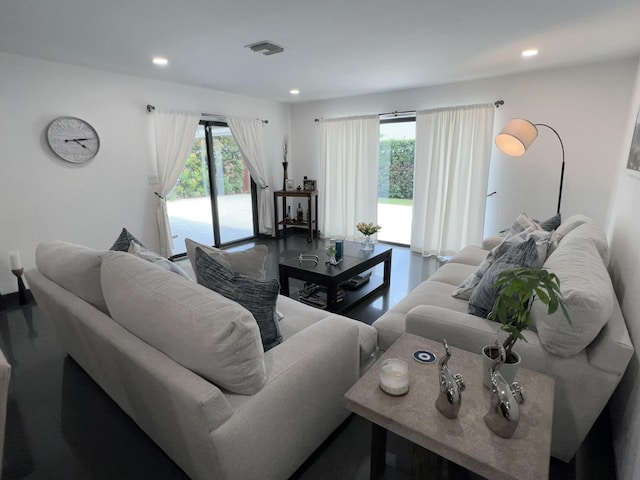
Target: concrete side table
x=465 y=440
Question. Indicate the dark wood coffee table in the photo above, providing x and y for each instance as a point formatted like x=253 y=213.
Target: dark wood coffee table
x=354 y=262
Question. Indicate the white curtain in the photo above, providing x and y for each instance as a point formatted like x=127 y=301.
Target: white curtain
x=175 y=132
x=349 y=156
x=248 y=136
x=453 y=149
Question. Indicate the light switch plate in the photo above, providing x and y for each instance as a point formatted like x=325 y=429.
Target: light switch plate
x=153 y=180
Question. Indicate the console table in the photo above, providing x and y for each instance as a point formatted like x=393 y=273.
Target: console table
x=465 y=440
x=310 y=225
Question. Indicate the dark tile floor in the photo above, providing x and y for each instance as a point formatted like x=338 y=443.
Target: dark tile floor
x=61 y=425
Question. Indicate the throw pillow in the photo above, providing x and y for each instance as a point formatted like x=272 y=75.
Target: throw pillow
x=465 y=289
x=589 y=297
x=259 y=297
x=522 y=229
x=550 y=223
x=199 y=329
x=250 y=263
x=124 y=241
x=485 y=295
x=153 y=257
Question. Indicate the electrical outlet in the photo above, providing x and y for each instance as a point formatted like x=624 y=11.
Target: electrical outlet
x=153 y=180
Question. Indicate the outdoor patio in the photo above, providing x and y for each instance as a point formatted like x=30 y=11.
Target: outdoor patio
x=191 y=218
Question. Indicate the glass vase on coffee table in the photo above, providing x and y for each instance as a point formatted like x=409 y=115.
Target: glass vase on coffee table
x=367 y=244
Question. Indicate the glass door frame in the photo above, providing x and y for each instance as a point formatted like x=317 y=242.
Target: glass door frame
x=213 y=188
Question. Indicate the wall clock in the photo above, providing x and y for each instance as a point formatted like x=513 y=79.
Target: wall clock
x=73 y=139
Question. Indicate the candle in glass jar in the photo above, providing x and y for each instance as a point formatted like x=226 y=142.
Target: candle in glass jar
x=16 y=261
x=394 y=376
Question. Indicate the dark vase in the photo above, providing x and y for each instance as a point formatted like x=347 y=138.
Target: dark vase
x=285 y=176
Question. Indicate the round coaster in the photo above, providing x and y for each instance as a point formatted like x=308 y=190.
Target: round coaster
x=424 y=356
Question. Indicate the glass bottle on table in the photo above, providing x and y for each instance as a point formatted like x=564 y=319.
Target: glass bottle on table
x=299 y=214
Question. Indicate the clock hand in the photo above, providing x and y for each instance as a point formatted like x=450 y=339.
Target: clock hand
x=78 y=142
x=75 y=139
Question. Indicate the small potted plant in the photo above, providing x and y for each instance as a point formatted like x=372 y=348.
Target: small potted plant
x=368 y=229
x=517 y=289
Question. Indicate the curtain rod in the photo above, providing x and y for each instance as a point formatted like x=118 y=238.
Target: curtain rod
x=395 y=113
x=151 y=108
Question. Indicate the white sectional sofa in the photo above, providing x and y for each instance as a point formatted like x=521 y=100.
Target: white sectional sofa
x=187 y=364
x=587 y=358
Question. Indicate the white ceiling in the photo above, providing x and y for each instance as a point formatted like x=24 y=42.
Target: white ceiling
x=333 y=48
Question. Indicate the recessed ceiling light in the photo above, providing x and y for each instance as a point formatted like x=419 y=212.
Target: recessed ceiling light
x=531 y=52
x=294 y=91
x=160 y=61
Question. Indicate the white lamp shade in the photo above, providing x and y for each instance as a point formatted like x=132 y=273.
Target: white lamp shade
x=515 y=138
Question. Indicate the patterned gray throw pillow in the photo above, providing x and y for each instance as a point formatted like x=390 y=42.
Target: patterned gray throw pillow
x=259 y=297
x=124 y=240
x=484 y=295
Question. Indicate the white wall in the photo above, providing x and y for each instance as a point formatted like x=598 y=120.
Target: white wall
x=45 y=198
x=587 y=105
x=625 y=272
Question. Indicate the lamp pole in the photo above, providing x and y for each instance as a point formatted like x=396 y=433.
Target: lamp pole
x=562 y=170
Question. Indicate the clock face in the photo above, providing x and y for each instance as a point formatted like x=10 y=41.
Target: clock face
x=73 y=140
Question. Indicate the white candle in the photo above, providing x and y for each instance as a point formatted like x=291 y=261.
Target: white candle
x=16 y=261
x=394 y=377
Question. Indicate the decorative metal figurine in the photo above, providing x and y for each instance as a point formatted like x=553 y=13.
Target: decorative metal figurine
x=451 y=386
x=504 y=412
x=308 y=258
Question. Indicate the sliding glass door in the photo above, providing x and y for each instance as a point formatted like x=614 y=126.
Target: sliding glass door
x=395 y=179
x=214 y=200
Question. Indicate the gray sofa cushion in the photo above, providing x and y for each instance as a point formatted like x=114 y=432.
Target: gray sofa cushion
x=199 y=329
x=588 y=293
x=250 y=263
x=256 y=296
x=75 y=268
x=484 y=295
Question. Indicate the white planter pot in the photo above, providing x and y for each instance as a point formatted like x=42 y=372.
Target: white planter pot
x=508 y=370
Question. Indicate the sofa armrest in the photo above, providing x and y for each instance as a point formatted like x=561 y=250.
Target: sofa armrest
x=490 y=242
x=301 y=404
x=612 y=349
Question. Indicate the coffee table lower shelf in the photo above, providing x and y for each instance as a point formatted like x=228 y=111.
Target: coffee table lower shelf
x=353 y=298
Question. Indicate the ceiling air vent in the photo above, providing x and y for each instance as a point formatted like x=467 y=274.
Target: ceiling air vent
x=266 y=47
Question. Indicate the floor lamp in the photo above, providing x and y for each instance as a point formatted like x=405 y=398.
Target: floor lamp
x=518 y=135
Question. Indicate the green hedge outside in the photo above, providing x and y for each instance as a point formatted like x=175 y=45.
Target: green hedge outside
x=194 y=179
x=395 y=168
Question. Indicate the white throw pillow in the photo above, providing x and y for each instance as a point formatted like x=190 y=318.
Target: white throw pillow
x=198 y=328
x=153 y=257
x=250 y=263
x=588 y=293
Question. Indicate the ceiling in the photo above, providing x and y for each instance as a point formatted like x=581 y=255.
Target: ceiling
x=331 y=48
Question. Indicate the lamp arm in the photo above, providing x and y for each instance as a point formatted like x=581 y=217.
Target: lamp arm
x=562 y=169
